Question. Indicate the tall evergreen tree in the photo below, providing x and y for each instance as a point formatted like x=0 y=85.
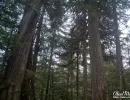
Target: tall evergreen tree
x=15 y=78
x=99 y=87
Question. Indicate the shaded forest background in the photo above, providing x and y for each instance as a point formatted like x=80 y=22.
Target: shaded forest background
x=64 y=49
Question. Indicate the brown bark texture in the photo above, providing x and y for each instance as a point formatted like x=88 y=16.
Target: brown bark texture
x=99 y=90
x=29 y=82
x=16 y=76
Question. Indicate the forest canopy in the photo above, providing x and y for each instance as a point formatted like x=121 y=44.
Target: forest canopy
x=64 y=49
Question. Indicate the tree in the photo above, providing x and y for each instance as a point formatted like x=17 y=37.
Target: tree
x=85 y=88
x=29 y=80
x=27 y=26
x=119 y=63
x=64 y=51
x=99 y=89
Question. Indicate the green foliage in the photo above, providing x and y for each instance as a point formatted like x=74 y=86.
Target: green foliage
x=63 y=30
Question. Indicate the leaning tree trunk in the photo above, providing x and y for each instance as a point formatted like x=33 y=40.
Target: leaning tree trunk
x=119 y=63
x=16 y=76
x=99 y=91
x=25 y=88
x=36 y=51
x=29 y=80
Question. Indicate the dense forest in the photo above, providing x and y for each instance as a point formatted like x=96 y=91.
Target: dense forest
x=64 y=49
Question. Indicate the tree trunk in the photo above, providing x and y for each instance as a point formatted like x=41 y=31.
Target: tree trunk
x=71 y=85
x=16 y=76
x=49 y=72
x=71 y=79
x=26 y=92
x=68 y=82
x=41 y=94
x=84 y=69
x=37 y=44
x=36 y=51
x=99 y=91
x=84 y=54
x=119 y=63
x=43 y=83
x=29 y=83
x=77 y=75
x=52 y=85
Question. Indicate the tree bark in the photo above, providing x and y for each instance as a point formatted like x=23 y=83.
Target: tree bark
x=99 y=91
x=16 y=76
x=84 y=54
x=49 y=71
x=77 y=75
x=26 y=92
x=84 y=69
x=29 y=83
x=71 y=85
x=68 y=82
x=36 y=51
x=119 y=63
x=71 y=79
x=52 y=85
